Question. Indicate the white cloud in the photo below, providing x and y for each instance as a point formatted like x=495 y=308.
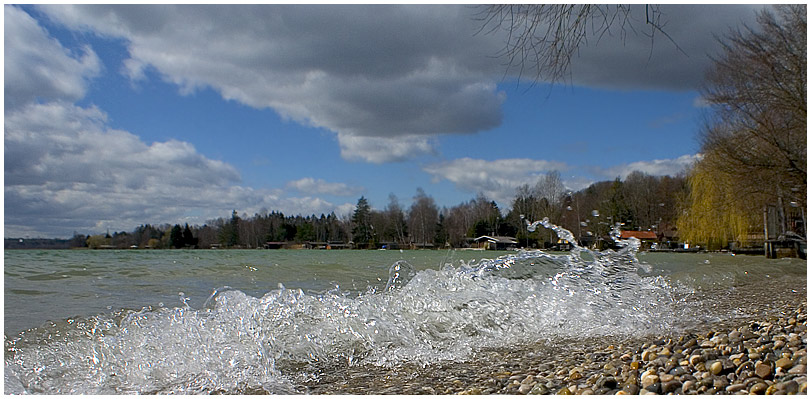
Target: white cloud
x=66 y=171
x=656 y=167
x=701 y=102
x=384 y=149
x=308 y=185
x=576 y=183
x=37 y=67
x=385 y=79
x=496 y=179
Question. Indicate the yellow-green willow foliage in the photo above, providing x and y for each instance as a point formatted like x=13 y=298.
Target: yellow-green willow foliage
x=713 y=214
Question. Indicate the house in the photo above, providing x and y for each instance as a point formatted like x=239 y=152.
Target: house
x=496 y=242
x=338 y=245
x=562 y=245
x=648 y=238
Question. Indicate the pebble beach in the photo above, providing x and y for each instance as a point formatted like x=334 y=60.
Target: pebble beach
x=763 y=354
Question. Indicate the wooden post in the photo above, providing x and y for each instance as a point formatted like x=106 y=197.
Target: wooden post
x=767 y=246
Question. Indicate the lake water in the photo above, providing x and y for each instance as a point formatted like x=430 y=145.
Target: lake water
x=242 y=321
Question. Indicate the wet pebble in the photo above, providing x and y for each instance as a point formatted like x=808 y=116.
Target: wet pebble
x=766 y=356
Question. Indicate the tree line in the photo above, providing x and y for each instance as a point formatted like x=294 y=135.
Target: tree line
x=641 y=202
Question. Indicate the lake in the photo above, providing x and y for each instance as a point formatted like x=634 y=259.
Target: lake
x=243 y=321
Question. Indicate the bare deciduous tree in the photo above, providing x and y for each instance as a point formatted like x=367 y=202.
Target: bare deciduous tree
x=545 y=37
x=757 y=91
x=422 y=218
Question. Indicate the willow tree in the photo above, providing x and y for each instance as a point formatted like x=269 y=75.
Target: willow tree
x=713 y=214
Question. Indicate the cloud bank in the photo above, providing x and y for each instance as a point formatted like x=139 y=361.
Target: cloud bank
x=386 y=79
x=308 y=185
x=498 y=179
x=378 y=76
x=66 y=170
x=656 y=167
x=37 y=67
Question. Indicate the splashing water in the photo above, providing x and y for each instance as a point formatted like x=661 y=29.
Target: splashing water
x=241 y=344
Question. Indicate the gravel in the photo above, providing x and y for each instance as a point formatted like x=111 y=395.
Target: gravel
x=765 y=355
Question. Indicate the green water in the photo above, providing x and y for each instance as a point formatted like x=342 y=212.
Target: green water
x=53 y=285
x=246 y=321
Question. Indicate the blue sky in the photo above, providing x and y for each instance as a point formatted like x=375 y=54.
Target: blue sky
x=118 y=116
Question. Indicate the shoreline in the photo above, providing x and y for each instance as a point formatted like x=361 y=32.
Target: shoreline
x=766 y=354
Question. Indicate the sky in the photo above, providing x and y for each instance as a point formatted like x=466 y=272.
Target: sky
x=117 y=116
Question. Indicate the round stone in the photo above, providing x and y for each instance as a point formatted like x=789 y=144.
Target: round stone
x=758 y=388
x=762 y=370
x=689 y=384
x=790 y=386
x=631 y=389
x=649 y=377
x=524 y=389
x=539 y=389
x=671 y=386
x=716 y=368
x=784 y=363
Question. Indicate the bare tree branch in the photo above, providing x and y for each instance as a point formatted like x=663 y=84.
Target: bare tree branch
x=542 y=39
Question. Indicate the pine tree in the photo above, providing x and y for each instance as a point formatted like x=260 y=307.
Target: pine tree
x=361 y=227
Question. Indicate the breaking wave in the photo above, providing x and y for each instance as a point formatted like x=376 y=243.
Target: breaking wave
x=237 y=343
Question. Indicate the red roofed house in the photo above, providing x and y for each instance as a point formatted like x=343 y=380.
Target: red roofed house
x=648 y=238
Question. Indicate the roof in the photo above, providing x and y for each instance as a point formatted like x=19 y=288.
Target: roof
x=497 y=239
x=642 y=235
